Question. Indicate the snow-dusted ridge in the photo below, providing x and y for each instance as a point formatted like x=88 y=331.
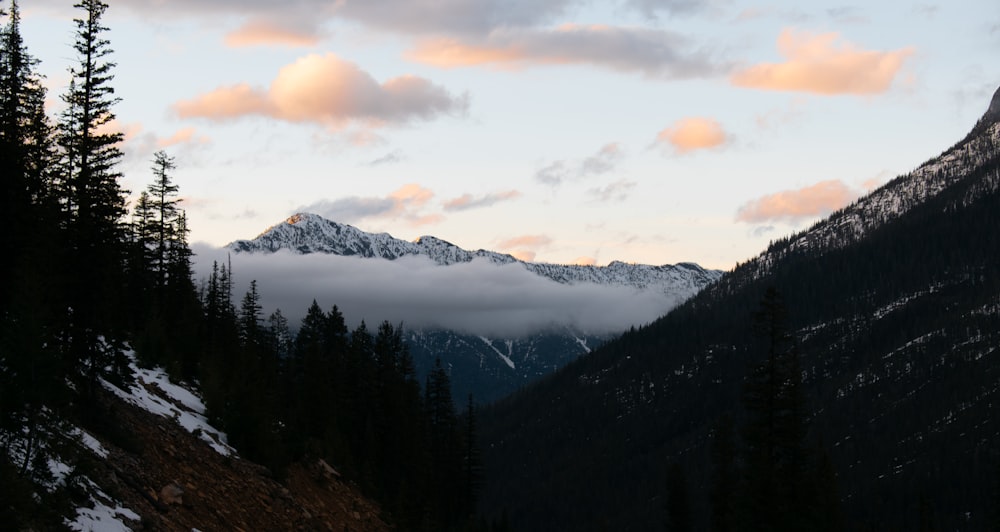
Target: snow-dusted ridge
x=310 y=233
x=971 y=156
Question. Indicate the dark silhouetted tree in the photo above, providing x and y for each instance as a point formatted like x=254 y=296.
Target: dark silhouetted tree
x=724 y=480
x=92 y=201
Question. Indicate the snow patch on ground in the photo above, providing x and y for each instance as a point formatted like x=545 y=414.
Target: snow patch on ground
x=176 y=403
x=102 y=516
x=91 y=443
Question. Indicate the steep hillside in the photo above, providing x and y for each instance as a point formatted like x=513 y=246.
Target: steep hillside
x=895 y=302
x=150 y=461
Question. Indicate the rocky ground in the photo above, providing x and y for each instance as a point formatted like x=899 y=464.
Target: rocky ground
x=173 y=480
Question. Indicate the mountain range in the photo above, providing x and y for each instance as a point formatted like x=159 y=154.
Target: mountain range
x=488 y=366
x=894 y=303
x=305 y=233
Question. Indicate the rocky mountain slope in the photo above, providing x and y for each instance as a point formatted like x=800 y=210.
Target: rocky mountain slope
x=160 y=466
x=895 y=303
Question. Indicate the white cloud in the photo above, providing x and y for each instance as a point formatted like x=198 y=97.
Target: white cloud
x=475 y=298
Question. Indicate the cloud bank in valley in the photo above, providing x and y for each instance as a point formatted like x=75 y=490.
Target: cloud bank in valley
x=475 y=298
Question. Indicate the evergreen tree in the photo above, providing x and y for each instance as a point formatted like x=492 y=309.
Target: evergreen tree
x=445 y=455
x=93 y=203
x=26 y=152
x=279 y=334
x=471 y=460
x=776 y=476
x=724 y=478
x=163 y=201
x=250 y=317
x=30 y=376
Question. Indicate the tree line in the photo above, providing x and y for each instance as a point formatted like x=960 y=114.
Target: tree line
x=85 y=278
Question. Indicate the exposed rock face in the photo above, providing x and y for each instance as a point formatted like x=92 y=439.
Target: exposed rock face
x=175 y=481
x=993 y=113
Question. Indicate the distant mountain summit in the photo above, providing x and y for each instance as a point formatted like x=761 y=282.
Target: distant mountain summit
x=310 y=233
x=993 y=113
x=488 y=367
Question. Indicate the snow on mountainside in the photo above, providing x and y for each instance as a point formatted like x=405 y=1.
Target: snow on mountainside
x=850 y=224
x=309 y=233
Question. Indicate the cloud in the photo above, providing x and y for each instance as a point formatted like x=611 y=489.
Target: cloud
x=585 y=261
x=820 y=199
x=267 y=32
x=652 y=8
x=403 y=203
x=617 y=191
x=392 y=157
x=846 y=15
x=604 y=161
x=451 y=16
x=652 y=52
x=524 y=247
x=327 y=90
x=823 y=64
x=182 y=136
x=691 y=134
x=478 y=297
x=531 y=241
x=467 y=201
x=552 y=174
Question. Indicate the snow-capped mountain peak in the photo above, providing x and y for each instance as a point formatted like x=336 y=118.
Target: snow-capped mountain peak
x=306 y=233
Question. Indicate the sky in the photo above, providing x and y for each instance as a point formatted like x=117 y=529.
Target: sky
x=564 y=131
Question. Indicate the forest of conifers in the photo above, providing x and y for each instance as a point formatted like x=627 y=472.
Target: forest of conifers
x=87 y=278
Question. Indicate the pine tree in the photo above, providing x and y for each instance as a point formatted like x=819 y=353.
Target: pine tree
x=724 y=479
x=250 y=317
x=26 y=152
x=445 y=479
x=163 y=201
x=471 y=460
x=93 y=203
x=776 y=483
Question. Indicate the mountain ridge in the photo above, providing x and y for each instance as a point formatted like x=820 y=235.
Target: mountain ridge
x=306 y=233
x=894 y=302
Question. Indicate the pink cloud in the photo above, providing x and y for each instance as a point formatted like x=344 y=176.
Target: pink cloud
x=404 y=203
x=262 y=32
x=182 y=136
x=524 y=254
x=226 y=103
x=330 y=91
x=528 y=241
x=585 y=261
x=653 y=52
x=793 y=205
x=691 y=134
x=467 y=201
x=824 y=64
